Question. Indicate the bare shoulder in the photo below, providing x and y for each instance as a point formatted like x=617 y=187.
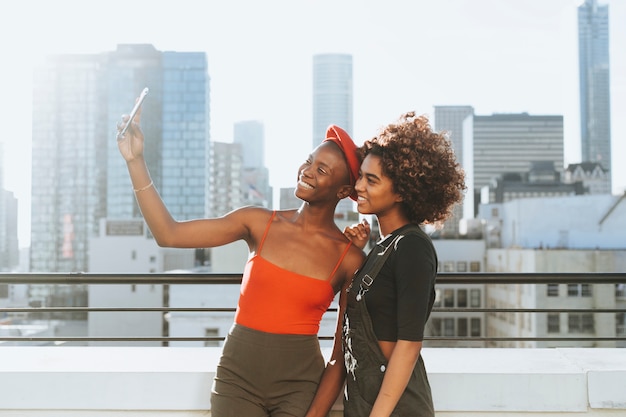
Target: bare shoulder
x=355 y=258
x=252 y=218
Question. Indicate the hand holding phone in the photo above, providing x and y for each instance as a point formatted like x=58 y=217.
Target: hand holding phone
x=133 y=112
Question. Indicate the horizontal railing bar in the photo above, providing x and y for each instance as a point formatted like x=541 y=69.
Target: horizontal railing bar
x=115 y=309
x=330 y=310
x=218 y=278
x=217 y=339
x=529 y=310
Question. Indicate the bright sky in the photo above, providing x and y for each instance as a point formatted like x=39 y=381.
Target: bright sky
x=497 y=56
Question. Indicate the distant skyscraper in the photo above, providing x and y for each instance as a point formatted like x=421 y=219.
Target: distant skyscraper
x=332 y=94
x=595 y=98
x=225 y=190
x=332 y=103
x=454 y=120
x=488 y=147
x=9 y=250
x=510 y=143
x=255 y=175
x=78 y=175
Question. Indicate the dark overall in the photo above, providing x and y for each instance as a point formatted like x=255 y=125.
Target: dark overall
x=365 y=362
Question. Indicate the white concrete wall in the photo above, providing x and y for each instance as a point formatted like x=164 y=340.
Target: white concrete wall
x=176 y=382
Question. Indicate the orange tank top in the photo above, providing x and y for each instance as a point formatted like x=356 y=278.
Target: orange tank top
x=275 y=300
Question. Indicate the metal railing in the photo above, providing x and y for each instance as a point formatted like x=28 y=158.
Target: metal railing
x=167 y=279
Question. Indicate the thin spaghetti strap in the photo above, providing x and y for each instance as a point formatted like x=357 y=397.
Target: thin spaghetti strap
x=267 y=229
x=345 y=251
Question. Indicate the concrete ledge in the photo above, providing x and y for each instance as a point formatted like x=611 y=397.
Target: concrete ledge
x=88 y=381
x=106 y=378
x=490 y=380
x=606 y=375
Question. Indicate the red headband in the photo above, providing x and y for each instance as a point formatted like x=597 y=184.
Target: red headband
x=344 y=141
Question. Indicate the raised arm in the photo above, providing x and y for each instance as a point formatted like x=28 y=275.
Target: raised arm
x=199 y=233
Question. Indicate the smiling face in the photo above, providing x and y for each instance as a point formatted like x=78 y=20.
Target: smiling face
x=375 y=190
x=324 y=175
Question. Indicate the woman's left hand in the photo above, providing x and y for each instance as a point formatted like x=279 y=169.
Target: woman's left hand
x=358 y=233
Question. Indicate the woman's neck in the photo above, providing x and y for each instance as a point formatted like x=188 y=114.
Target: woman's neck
x=388 y=224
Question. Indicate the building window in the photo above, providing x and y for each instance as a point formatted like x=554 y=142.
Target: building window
x=211 y=332
x=474 y=266
x=579 y=290
x=461 y=298
x=554 y=324
x=620 y=320
x=475 y=297
x=580 y=323
x=553 y=290
x=461 y=266
x=133 y=255
x=448 y=327
x=448 y=266
x=475 y=327
x=461 y=325
x=448 y=297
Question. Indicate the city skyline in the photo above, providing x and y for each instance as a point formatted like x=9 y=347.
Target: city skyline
x=495 y=57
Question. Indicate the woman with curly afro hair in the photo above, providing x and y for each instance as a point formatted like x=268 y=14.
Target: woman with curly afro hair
x=409 y=177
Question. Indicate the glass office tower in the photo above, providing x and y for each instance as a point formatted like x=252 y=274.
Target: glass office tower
x=78 y=175
x=332 y=94
x=595 y=97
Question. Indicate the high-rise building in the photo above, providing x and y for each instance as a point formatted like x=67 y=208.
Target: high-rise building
x=594 y=73
x=511 y=143
x=332 y=104
x=488 y=147
x=9 y=251
x=78 y=175
x=453 y=120
x=332 y=94
x=255 y=179
x=225 y=190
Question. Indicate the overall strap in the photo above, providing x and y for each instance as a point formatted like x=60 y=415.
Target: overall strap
x=381 y=257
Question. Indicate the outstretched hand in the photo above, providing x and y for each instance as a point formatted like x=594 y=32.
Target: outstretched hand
x=358 y=233
x=131 y=143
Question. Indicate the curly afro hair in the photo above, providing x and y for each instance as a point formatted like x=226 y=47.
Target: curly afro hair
x=422 y=166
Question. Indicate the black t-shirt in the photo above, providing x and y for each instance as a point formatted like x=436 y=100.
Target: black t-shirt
x=401 y=298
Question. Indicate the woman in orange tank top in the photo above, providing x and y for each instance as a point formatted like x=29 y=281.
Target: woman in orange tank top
x=271 y=362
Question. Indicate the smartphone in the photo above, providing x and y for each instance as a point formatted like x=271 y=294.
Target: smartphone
x=133 y=112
